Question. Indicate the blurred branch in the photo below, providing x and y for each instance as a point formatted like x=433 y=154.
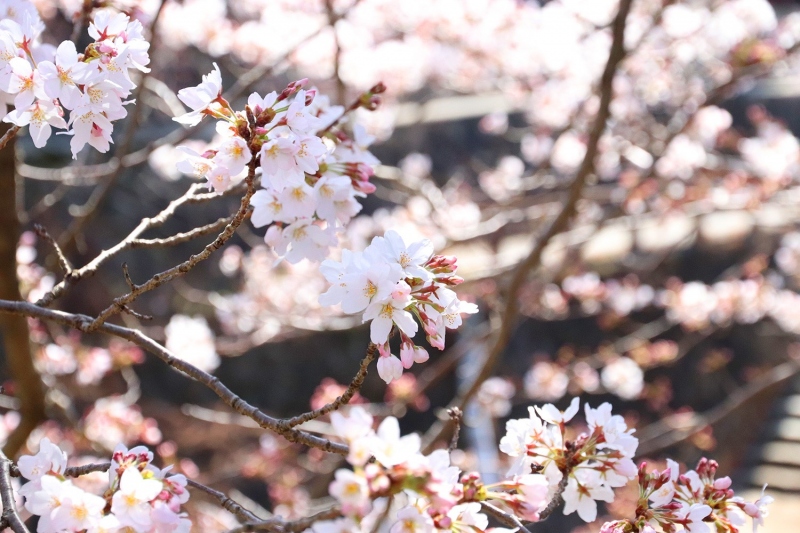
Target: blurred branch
x=87 y=212
x=294 y=526
x=28 y=387
x=508 y=319
x=8 y=135
x=677 y=428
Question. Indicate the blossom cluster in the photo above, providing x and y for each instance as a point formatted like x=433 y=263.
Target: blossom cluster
x=392 y=284
x=595 y=462
x=312 y=168
x=391 y=478
x=695 y=500
x=140 y=497
x=42 y=81
x=429 y=494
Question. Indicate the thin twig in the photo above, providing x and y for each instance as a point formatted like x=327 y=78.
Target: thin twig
x=179 y=270
x=295 y=526
x=180 y=238
x=66 y=266
x=230 y=505
x=346 y=396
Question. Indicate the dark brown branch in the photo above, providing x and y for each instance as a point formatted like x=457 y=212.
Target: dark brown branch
x=83 y=322
x=156 y=281
x=455 y=415
x=10 y=515
x=346 y=396
x=225 y=502
x=509 y=316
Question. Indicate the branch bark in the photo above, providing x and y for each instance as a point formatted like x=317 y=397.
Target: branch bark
x=16 y=338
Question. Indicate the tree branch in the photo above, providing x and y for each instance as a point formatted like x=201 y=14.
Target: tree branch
x=508 y=320
x=346 y=396
x=83 y=322
x=121 y=302
x=10 y=515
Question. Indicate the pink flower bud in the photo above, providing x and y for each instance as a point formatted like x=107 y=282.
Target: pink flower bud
x=722 y=483
x=420 y=354
x=407 y=355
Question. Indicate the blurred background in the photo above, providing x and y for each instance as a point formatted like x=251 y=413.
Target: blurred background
x=672 y=294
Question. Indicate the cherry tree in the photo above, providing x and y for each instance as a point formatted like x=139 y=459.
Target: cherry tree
x=622 y=149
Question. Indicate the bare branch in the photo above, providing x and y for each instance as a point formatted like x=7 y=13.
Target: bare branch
x=83 y=322
x=455 y=415
x=180 y=238
x=62 y=259
x=91 y=268
x=557 y=500
x=346 y=396
x=121 y=302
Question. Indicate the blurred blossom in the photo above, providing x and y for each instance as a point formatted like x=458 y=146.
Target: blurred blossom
x=495 y=396
x=546 y=381
x=112 y=421
x=404 y=390
x=504 y=182
x=416 y=166
x=328 y=390
x=8 y=423
x=585 y=376
x=192 y=340
x=623 y=377
x=494 y=123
